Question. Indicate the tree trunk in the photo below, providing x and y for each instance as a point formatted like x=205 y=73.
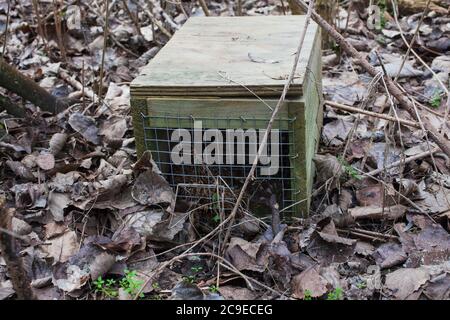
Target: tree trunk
x=295 y=8
x=327 y=9
x=14 y=81
x=8 y=245
x=407 y=7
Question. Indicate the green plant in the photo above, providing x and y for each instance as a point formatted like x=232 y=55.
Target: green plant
x=189 y=279
x=336 y=294
x=131 y=284
x=307 y=295
x=349 y=170
x=213 y=289
x=216 y=218
x=105 y=287
x=436 y=99
x=156 y=286
x=382 y=5
x=361 y=285
x=196 y=269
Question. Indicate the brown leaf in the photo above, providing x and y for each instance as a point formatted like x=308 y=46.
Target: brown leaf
x=57 y=143
x=236 y=293
x=20 y=170
x=156 y=225
x=402 y=283
x=89 y=262
x=85 y=126
x=246 y=255
x=389 y=254
x=152 y=189
x=374 y=212
x=57 y=202
x=327 y=167
x=62 y=247
x=45 y=161
x=114 y=128
x=309 y=281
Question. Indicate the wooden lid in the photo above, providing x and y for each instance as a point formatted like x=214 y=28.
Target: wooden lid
x=228 y=56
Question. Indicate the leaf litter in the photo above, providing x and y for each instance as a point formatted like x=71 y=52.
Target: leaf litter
x=86 y=207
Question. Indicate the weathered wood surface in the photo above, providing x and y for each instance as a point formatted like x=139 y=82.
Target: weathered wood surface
x=228 y=56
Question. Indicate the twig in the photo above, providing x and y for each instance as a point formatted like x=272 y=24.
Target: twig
x=373 y=233
x=88 y=93
x=105 y=44
x=204 y=7
x=239 y=8
x=58 y=27
x=157 y=23
x=403 y=162
x=132 y=17
x=361 y=235
x=424 y=13
x=393 y=87
x=269 y=126
x=371 y=114
x=225 y=263
x=443 y=86
x=40 y=24
x=6 y=29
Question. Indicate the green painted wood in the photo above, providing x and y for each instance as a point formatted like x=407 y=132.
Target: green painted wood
x=228 y=56
x=217 y=113
x=174 y=89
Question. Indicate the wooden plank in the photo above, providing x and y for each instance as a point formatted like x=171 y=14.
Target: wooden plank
x=215 y=113
x=224 y=55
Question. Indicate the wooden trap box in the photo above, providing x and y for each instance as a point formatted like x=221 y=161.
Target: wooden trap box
x=227 y=73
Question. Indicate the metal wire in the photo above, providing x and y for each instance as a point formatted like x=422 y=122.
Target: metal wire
x=193 y=181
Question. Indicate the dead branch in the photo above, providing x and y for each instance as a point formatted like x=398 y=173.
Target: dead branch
x=403 y=162
x=392 y=87
x=204 y=7
x=269 y=126
x=10 y=107
x=8 y=245
x=14 y=81
x=371 y=114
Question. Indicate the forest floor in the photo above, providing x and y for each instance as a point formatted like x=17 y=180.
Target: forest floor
x=88 y=217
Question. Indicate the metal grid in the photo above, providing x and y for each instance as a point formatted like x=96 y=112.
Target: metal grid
x=201 y=183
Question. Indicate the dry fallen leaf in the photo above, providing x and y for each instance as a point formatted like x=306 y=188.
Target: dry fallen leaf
x=57 y=202
x=45 y=161
x=86 y=126
x=151 y=188
x=309 y=281
x=402 y=283
x=62 y=247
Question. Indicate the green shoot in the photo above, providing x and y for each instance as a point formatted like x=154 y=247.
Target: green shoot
x=336 y=294
x=213 y=289
x=436 y=100
x=349 y=170
x=308 y=295
x=131 y=284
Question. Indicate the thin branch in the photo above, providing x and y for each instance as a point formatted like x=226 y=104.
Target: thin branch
x=269 y=126
x=371 y=114
x=105 y=44
x=204 y=7
x=6 y=28
x=393 y=87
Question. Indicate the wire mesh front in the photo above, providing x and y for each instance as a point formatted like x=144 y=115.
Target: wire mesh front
x=201 y=183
